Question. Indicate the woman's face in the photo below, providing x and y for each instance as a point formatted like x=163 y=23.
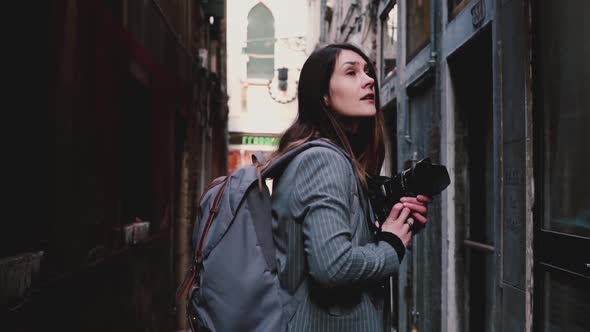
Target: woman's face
x=352 y=90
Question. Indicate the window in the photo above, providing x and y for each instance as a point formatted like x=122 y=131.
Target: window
x=562 y=216
x=389 y=43
x=456 y=6
x=564 y=79
x=261 y=43
x=418 y=26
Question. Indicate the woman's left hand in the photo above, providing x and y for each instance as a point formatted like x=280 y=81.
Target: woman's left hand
x=419 y=209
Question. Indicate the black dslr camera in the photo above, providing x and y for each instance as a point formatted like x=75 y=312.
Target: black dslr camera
x=424 y=178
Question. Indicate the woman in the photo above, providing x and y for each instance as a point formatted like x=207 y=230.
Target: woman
x=332 y=260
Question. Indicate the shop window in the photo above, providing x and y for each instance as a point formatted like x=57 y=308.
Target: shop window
x=261 y=43
x=418 y=26
x=389 y=43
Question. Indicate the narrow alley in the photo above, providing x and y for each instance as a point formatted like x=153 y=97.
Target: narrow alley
x=133 y=107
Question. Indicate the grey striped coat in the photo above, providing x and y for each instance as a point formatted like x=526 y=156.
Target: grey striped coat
x=327 y=257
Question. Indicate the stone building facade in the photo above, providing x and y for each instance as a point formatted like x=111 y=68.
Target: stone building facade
x=268 y=41
x=493 y=90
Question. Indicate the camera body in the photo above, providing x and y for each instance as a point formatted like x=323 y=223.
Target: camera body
x=424 y=178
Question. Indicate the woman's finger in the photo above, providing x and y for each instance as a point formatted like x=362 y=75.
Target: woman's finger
x=404 y=215
x=416 y=208
x=412 y=200
x=395 y=210
x=424 y=198
x=420 y=218
x=406 y=228
x=410 y=222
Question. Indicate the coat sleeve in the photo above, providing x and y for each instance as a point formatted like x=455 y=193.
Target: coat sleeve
x=321 y=200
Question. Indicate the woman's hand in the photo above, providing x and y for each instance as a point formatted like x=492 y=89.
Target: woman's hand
x=397 y=223
x=419 y=209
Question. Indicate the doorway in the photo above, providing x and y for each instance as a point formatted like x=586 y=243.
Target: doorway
x=419 y=139
x=470 y=69
x=390 y=137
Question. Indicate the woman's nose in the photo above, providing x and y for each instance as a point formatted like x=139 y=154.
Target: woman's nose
x=369 y=81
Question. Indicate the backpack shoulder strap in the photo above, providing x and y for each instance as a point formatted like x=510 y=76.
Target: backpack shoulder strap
x=259 y=205
x=193 y=273
x=258 y=158
x=279 y=164
x=212 y=213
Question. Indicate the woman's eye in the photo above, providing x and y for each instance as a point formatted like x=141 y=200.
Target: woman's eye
x=351 y=73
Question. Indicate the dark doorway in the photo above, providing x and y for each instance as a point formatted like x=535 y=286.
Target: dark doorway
x=390 y=119
x=471 y=76
x=390 y=166
x=137 y=154
x=420 y=139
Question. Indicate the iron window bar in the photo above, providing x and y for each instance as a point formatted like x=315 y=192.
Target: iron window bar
x=479 y=246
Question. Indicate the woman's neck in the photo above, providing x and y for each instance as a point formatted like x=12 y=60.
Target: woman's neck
x=349 y=125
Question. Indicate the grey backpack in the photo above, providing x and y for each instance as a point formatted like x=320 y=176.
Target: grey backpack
x=233 y=284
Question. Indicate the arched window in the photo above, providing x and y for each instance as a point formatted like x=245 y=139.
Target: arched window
x=261 y=43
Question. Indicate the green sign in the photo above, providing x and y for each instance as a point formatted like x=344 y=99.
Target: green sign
x=260 y=140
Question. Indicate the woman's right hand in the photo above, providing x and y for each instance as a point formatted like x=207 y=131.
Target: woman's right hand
x=398 y=223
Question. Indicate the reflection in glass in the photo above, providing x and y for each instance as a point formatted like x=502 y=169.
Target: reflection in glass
x=567 y=305
x=418 y=26
x=455 y=6
x=565 y=78
x=389 y=42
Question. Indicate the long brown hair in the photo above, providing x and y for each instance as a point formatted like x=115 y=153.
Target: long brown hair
x=315 y=120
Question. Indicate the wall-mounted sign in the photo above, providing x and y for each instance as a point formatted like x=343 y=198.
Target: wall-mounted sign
x=246 y=139
x=478 y=13
x=258 y=140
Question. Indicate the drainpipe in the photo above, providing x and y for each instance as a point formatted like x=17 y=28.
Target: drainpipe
x=433 y=52
x=181 y=226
